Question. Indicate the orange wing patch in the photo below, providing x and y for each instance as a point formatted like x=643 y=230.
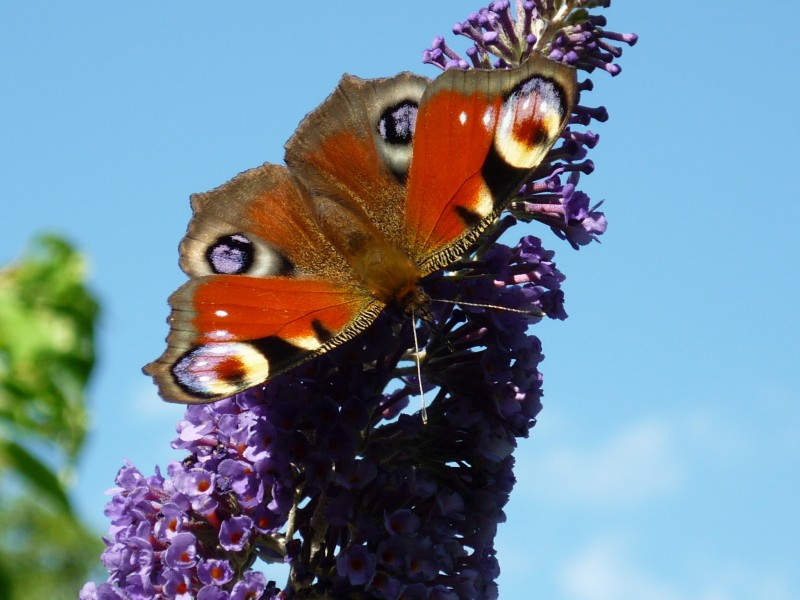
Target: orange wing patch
x=447 y=194
x=303 y=312
x=230 y=333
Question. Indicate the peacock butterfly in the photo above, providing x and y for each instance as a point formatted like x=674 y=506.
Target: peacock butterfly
x=387 y=181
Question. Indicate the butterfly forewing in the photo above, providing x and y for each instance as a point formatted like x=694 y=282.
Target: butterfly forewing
x=479 y=135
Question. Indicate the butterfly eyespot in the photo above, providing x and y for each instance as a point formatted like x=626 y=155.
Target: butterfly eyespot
x=397 y=123
x=231 y=255
x=531 y=118
x=237 y=254
x=220 y=369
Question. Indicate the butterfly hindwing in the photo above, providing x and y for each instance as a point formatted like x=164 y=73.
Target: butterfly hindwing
x=275 y=210
x=267 y=290
x=355 y=148
x=353 y=153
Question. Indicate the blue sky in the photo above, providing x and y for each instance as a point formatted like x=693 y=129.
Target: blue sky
x=666 y=464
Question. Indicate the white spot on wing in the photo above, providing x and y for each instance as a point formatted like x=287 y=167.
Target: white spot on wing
x=489 y=117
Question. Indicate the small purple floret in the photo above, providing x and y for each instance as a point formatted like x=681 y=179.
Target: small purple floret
x=235 y=532
x=214 y=571
x=357 y=564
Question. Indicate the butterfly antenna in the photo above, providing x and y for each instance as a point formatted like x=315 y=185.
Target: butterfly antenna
x=424 y=411
x=532 y=313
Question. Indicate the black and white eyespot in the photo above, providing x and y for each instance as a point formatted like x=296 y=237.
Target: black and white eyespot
x=236 y=254
x=397 y=123
x=231 y=255
x=395 y=135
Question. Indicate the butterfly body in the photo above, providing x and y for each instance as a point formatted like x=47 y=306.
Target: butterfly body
x=384 y=268
x=387 y=181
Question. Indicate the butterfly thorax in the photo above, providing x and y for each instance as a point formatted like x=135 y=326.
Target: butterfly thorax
x=386 y=271
x=384 y=268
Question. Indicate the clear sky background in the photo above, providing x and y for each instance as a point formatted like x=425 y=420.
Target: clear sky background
x=666 y=464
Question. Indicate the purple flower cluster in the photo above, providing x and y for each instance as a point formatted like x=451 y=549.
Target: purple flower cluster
x=167 y=540
x=562 y=31
x=321 y=469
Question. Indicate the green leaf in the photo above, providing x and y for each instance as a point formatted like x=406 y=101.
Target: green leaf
x=47 y=322
x=40 y=477
x=44 y=555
